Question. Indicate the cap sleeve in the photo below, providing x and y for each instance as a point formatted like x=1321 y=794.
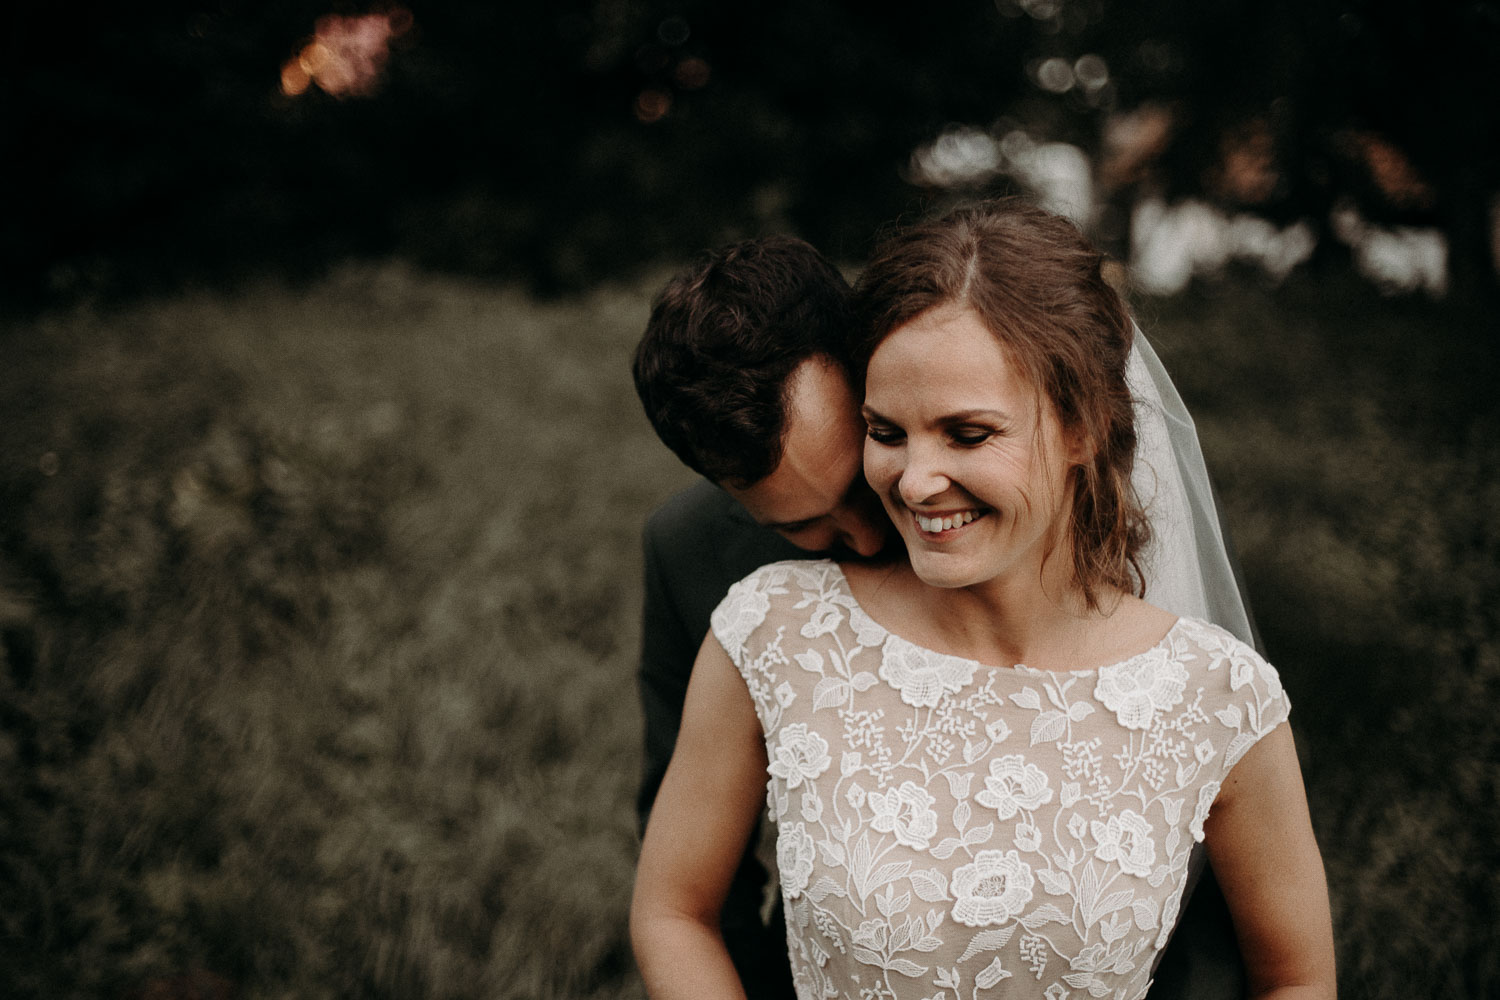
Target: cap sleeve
x=1257 y=702
x=1243 y=694
x=1243 y=701
x=744 y=609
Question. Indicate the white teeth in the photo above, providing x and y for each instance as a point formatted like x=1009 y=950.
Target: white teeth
x=935 y=524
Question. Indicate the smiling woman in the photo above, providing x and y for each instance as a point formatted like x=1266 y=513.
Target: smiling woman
x=970 y=462
x=990 y=762
x=1015 y=305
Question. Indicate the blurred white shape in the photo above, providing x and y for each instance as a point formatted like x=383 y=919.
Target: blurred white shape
x=1171 y=244
x=1055 y=75
x=1042 y=10
x=1092 y=71
x=1016 y=144
x=961 y=155
x=1057 y=174
x=1277 y=251
x=1346 y=222
x=1398 y=259
x=1405 y=259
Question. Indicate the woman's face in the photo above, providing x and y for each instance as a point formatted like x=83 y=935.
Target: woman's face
x=967 y=456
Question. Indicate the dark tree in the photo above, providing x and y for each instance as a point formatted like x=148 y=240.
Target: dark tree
x=567 y=141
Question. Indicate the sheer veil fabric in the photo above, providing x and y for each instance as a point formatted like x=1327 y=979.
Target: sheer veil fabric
x=1187 y=566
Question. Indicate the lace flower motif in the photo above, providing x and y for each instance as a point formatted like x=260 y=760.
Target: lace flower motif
x=907 y=812
x=921 y=675
x=1141 y=686
x=826 y=618
x=794 y=859
x=992 y=889
x=1013 y=785
x=1126 y=840
x=739 y=614
x=800 y=755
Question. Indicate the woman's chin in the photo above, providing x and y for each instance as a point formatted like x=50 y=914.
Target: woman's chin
x=943 y=571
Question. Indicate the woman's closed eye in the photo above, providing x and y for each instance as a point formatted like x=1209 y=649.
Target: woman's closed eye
x=964 y=437
x=970 y=437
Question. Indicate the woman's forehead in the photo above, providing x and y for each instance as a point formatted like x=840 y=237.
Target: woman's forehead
x=949 y=352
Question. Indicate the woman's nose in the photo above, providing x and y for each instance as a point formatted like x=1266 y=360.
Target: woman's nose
x=922 y=478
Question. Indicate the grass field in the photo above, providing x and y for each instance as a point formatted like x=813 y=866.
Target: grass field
x=319 y=611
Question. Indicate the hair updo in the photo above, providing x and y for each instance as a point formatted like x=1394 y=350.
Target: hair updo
x=1036 y=285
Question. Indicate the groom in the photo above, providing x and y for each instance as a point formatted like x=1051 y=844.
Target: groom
x=743 y=373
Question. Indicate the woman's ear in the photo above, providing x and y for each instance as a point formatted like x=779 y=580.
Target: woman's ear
x=1079 y=452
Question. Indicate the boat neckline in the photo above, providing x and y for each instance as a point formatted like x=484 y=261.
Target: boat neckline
x=1016 y=667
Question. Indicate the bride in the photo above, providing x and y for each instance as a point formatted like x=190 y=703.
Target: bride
x=988 y=762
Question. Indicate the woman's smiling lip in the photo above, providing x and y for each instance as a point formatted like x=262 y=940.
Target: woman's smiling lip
x=936 y=525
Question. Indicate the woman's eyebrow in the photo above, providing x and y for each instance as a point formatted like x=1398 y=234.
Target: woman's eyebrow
x=962 y=415
x=870 y=413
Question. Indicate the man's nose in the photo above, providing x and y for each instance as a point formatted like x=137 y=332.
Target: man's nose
x=862 y=531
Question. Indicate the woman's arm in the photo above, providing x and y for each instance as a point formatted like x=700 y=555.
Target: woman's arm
x=705 y=812
x=1260 y=842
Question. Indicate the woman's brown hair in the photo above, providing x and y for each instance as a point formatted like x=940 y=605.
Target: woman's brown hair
x=1037 y=286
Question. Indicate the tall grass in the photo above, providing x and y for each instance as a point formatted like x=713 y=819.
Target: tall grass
x=320 y=618
x=319 y=612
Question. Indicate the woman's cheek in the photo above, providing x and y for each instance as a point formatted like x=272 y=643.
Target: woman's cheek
x=879 y=462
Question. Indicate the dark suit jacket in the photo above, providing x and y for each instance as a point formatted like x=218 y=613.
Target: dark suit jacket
x=696 y=545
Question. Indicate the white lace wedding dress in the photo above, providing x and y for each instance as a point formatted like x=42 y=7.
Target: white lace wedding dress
x=953 y=830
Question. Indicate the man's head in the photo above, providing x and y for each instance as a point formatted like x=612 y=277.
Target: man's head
x=742 y=372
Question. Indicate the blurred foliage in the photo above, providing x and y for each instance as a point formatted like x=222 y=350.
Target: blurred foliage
x=1317 y=80
x=154 y=145
x=1357 y=453
x=318 y=616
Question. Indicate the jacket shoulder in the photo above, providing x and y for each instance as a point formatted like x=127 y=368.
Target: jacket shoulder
x=700 y=509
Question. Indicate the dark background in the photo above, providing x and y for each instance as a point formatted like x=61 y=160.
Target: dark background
x=150 y=143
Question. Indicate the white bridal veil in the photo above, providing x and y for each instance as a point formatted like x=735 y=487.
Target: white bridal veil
x=1188 y=571
x=1187 y=565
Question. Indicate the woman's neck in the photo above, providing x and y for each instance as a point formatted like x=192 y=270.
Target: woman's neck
x=1005 y=621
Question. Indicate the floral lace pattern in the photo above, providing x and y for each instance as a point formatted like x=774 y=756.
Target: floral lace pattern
x=950 y=830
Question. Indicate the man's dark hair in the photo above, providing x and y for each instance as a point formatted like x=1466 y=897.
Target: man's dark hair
x=724 y=338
